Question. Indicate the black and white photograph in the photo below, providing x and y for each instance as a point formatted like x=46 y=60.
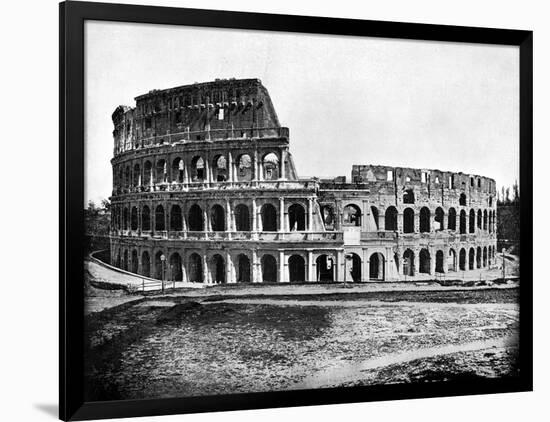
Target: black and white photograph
x=270 y=211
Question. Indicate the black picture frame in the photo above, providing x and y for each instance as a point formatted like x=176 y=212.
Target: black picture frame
x=72 y=16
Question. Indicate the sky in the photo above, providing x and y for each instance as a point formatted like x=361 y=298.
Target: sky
x=347 y=100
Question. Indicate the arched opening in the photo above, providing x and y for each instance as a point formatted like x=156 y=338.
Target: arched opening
x=196 y=219
x=217 y=218
x=244 y=168
x=355 y=268
x=127 y=180
x=271 y=166
x=325 y=268
x=178 y=170
x=176 y=218
x=118 y=261
x=159 y=266
x=376 y=267
x=327 y=212
x=147 y=173
x=243 y=269
x=462 y=222
x=125 y=219
x=219 y=166
x=352 y=216
x=408 y=220
x=375 y=214
x=424 y=220
x=451 y=223
x=471 y=259
x=296 y=217
x=198 y=169
x=485 y=220
x=408 y=263
x=390 y=219
x=160 y=172
x=134 y=219
x=145 y=264
x=195 y=268
x=462 y=259
x=484 y=257
x=217 y=269
x=296 y=268
x=242 y=218
x=472 y=221
x=135 y=262
x=439 y=258
x=478 y=257
x=145 y=218
x=479 y=219
x=451 y=261
x=125 y=262
x=424 y=261
x=439 y=219
x=137 y=175
x=462 y=199
x=159 y=218
x=269 y=269
x=176 y=272
x=408 y=196
x=269 y=218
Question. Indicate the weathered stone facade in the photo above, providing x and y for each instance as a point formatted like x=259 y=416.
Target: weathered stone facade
x=205 y=190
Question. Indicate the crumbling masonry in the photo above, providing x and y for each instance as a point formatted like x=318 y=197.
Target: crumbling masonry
x=205 y=190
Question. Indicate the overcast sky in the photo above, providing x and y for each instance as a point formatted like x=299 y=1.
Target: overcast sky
x=346 y=100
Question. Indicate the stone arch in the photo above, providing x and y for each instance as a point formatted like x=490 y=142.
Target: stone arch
x=471 y=259
x=451 y=261
x=472 y=221
x=478 y=257
x=352 y=215
x=296 y=217
x=269 y=218
x=439 y=259
x=462 y=199
x=159 y=266
x=485 y=257
x=125 y=260
x=325 y=268
x=243 y=269
x=178 y=170
x=147 y=173
x=479 y=219
x=160 y=171
x=176 y=218
x=376 y=266
x=198 y=169
x=296 y=268
x=270 y=164
x=146 y=218
x=408 y=196
x=390 y=219
x=408 y=220
x=425 y=216
x=219 y=168
x=327 y=213
x=462 y=260
x=375 y=214
x=355 y=267
x=145 y=264
x=195 y=268
x=196 y=218
x=462 y=222
x=137 y=175
x=451 y=219
x=217 y=269
x=125 y=219
x=134 y=219
x=176 y=271
x=269 y=269
x=439 y=219
x=485 y=220
x=242 y=218
x=424 y=261
x=134 y=261
x=217 y=218
x=244 y=168
x=408 y=263
x=160 y=224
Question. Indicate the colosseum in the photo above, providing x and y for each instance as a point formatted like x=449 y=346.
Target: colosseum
x=205 y=190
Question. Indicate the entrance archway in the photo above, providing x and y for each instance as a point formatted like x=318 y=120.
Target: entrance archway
x=325 y=268
x=145 y=264
x=269 y=218
x=176 y=273
x=217 y=269
x=424 y=261
x=408 y=263
x=243 y=269
x=451 y=261
x=355 y=268
x=296 y=218
x=195 y=268
x=269 y=269
x=439 y=257
x=376 y=267
x=296 y=268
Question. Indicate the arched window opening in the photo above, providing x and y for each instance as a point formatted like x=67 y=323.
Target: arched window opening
x=269 y=269
x=424 y=220
x=390 y=220
x=160 y=172
x=462 y=199
x=484 y=257
x=176 y=272
x=439 y=219
x=271 y=166
x=195 y=268
x=478 y=257
x=451 y=261
x=376 y=267
x=134 y=219
x=296 y=268
x=462 y=222
x=118 y=261
x=408 y=263
x=198 y=169
x=178 y=170
x=217 y=269
x=327 y=212
x=408 y=196
x=325 y=268
x=472 y=223
x=145 y=218
x=243 y=266
x=134 y=262
x=424 y=261
x=269 y=218
x=244 y=168
x=176 y=218
x=352 y=216
x=219 y=164
x=159 y=266
x=375 y=215
x=355 y=269
x=472 y=259
x=125 y=261
x=137 y=175
x=196 y=219
x=147 y=173
x=242 y=218
x=462 y=263
x=296 y=217
x=159 y=218
x=125 y=219
x=479 y=219
x=408 y=220
x=145 y=264
x=485 y=220
x=217 y=218
x=451 y=224
x=439 y=258
x=490 y=201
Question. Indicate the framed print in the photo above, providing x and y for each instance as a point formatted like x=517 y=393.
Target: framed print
x=266 y=210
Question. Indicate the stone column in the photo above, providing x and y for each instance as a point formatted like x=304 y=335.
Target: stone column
x=184 y=223
x=381 y=221
x=432 y=260
x=416 y=261
x=400 y=222
x=445 y=261
x=228 y=272
x=205 y=278
x=282 y=267
x=310 y=273
x=229 y=166
x=256 y=177
x=205 y=218
x=228 y=225
x=416 y=221
x=282 y=165
x=309 y=214
x=255 y=269
x=166 y=218
x=282 y=214
x=254 y=215
x=207 y=170
x=340 y=274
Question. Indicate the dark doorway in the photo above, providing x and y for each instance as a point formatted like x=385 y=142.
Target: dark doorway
x=296 y=268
